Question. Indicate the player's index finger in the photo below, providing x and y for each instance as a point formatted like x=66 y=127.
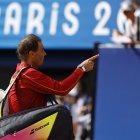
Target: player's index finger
x=93 y=57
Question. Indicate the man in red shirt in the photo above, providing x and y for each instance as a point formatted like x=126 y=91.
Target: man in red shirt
x=31 y=88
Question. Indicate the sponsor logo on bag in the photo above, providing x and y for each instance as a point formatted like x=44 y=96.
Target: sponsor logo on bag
x=38 y=128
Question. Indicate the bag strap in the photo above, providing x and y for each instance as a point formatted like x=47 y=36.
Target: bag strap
x=9 y=87
x=13 y=80
x=52 y=99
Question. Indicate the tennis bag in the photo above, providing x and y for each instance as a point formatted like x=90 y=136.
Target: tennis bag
x=47 y=123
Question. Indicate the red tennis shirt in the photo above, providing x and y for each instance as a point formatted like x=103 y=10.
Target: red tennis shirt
x=31 y=87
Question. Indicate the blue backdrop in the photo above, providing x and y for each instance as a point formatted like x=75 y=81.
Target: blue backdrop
x=61 y=24
x=117 y=112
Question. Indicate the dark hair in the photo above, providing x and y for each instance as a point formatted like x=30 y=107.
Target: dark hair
x=29 y=43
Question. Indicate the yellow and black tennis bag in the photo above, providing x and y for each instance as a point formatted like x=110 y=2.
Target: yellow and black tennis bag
x=46 y=123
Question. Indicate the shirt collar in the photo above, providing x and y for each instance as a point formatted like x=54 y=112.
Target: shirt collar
x=21 y=65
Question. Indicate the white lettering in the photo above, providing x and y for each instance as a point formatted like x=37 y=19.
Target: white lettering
x=103 y=18
x=35 y=17
x=13 y=18
x=54 y=18
x=72 y=6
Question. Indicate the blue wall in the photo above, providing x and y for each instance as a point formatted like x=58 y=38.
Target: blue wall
x=117 y=111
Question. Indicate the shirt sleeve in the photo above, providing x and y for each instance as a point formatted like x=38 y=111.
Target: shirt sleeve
x=42 y=83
